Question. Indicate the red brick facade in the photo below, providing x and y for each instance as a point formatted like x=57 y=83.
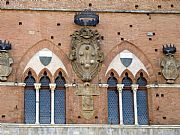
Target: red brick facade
x=30 y=31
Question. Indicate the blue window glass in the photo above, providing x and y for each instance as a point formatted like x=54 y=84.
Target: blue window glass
x=113 y=101
x=45 y=100
x=60 y=113
x=127 y=101
x=142 y=108
x=29 y=100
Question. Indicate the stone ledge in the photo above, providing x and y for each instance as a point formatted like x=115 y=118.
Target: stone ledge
x=14 y=125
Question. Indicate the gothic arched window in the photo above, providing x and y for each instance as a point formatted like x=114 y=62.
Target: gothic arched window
x=45 y=100
x=29 y=100
x=127 y=101
x=142 y=108
x=113 y=100
x=60 y=103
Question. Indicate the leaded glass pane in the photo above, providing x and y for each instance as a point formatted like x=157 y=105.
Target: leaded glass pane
x=128 y=104
x=112 y=81
x=113 y=107
x=60 y=107
x=29 y=100
x=45 y=80
x=142 y=107
x=29 y=80
x=60 y=81
x=45 y=106
x=142 y=81
x=30 y=106
x=127 y=101
x=45 y=100
x=127 y=81
x=60 y=110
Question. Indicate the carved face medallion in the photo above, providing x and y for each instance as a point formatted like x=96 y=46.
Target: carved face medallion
x=85 y=55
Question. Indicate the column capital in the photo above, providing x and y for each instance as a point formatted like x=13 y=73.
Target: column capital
x=37 y=86
x=134 y=87
x=120 y=87
x=103 y=85
x=52 y=86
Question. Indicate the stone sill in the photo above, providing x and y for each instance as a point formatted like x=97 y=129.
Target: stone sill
x=15 y=125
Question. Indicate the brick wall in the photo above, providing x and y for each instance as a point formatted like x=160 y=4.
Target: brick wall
x=30 y=31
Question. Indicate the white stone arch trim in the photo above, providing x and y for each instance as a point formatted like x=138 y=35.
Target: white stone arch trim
x=135 y=66
x=53 y=66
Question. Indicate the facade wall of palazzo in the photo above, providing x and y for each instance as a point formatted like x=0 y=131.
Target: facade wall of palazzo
x=34 y=28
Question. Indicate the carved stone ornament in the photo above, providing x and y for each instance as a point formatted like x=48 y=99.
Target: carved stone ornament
x=87 y=91
x=5 y=63
x=170 y=64
x=85 y=53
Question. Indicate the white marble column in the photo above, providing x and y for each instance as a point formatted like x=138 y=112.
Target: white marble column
x=52 y=87
x=134 y=88
x=120 y=88
x=37 y=87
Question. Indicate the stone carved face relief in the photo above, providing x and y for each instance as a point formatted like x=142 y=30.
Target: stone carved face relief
x=85 y=55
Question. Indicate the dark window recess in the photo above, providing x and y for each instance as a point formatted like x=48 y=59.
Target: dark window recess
x=172 y=5
x=157 y=95
x=96 y=117
x=156 y=50
x=79 y=117
x=130 y=25
x=59 y=44
x=90 y=4
x=58 y=24
x=3 y=116
x=118 y=33
x=150 y=39
x=20 y=23
x=122 y=39
x=52 y=37
x=162 y=95
x=164 y=118
x=154 y=33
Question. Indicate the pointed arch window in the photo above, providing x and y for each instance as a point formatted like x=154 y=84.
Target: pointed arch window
x=45 y=100
x=29 y=100
x=113 y=100
x=59 y=104
x=127 y=101
x=142 y=105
